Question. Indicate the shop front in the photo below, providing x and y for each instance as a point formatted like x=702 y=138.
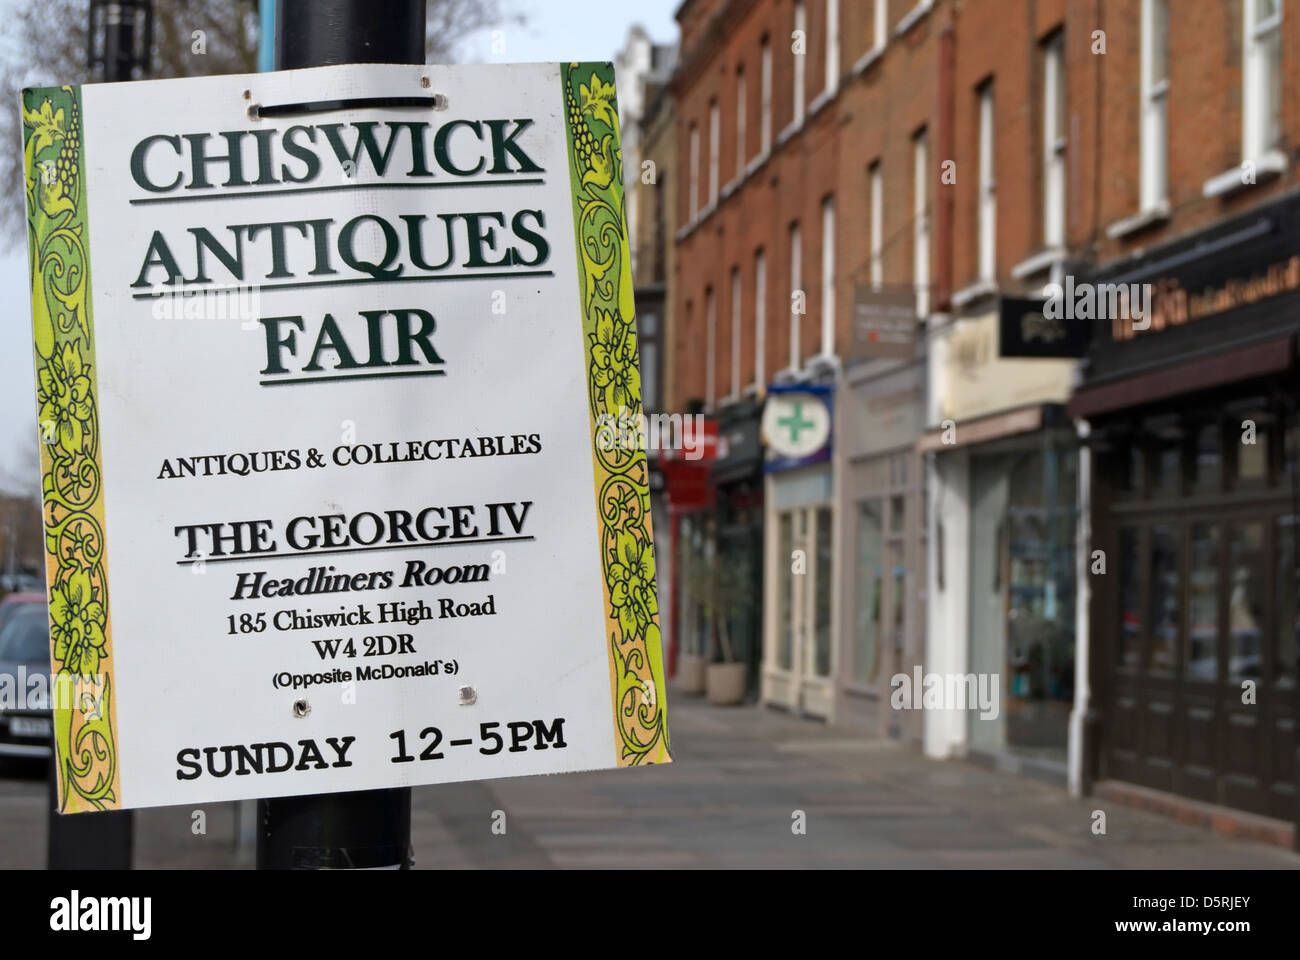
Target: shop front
x=689 y=502
x=1002 y=461
x=1194 y=444
x=737 y=573
x=799 y=656
x=881 y=408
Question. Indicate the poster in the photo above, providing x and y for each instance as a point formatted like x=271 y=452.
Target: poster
x=324 y=362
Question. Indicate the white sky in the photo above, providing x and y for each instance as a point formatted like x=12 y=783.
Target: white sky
x=560 y=30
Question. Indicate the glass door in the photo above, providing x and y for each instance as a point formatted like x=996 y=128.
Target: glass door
x=800 y=651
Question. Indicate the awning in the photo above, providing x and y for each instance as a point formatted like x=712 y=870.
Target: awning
x=1227 y=366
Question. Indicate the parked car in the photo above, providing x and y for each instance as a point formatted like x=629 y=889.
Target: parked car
x=10 y=603
x=21 y=583
x=26 y=722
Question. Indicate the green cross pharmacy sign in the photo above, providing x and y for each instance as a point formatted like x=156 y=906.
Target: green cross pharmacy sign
x=796 y=426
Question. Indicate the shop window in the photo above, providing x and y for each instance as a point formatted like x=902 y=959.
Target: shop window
x=1165 y=611
x=896 y=513
x=1291 y=453
x=1129 y=569
x=785 y=593
x=1201 y=661
x=1167 y=463
x=822 y=599
x=869 y=588
x=1286 y=538
x=1251 y=427
x=1249 y=572
x=695 y=555
x=1252 y=457
x=1209 y=458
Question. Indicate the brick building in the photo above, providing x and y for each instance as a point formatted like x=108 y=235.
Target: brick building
x=1189 y=414
x=960 y=157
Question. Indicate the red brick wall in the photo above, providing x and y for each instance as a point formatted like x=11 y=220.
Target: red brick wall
x=876 y=113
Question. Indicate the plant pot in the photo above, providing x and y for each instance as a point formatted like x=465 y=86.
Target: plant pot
x=690 y=674
x=726 y=683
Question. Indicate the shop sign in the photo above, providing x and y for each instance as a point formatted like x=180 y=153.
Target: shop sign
x=796 y=426
x=1038 y=327
x=884 y=323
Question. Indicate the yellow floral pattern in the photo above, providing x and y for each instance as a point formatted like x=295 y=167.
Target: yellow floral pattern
x=614 y=392
x=80 y=632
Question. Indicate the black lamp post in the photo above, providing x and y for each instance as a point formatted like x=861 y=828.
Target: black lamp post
x=120 y=39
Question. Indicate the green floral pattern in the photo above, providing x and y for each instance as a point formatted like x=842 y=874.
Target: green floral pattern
x=80 y=636
x=614 y=392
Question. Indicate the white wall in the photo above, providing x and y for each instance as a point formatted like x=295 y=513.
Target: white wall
x=947 y=614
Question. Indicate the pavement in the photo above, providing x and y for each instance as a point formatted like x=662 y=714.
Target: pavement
x=744 y=779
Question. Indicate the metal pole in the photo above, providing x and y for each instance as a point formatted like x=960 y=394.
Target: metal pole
x=368 y=828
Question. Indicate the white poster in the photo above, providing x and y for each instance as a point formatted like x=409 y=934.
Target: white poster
x=326 y=361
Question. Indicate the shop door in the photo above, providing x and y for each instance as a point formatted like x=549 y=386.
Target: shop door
x=800 y=642
x=1203 y=662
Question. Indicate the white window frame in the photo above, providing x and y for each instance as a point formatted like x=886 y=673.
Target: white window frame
x=828 y=277
x=880 y=25
x=1054 y=142
x=695 y=171
x=987 y=212
x=711 y=349
x=876 y=188
x=715 y=142
x=921 y=221
x=1153 y=182
x=765 y=93
x=742 y=116
x=735 y=332
x=800 y=63
x=832 y=46
x=1259 y=133
x=796 y=283
x=760 y=317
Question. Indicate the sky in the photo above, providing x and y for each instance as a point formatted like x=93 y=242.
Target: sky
x=556 y=30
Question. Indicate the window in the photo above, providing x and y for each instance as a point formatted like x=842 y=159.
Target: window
x=881 y=24
x=760 y=317
x=1200 y=651
x=1165 y=611
x=832 y=45
x=715 y=125
x=1262 y=77
x=869 y=591
x=828 y=277
x=694 y=190
x=1155 y=86
x=920 y=224
x=876 y=187
x=735 y=331
x=801 y=28
x=1249 y=568
x=741 y=110
x=1054 y=142
x=1286 y=639
x=796 y=284
x=765 y=94
x=988 y=208
x=1128 y=648
x=710 y=349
